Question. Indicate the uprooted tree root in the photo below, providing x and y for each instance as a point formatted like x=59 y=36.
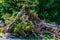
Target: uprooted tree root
x=39 y=26
x=37 y=32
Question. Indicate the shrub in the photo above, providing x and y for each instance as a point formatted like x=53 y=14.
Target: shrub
x=24 y=26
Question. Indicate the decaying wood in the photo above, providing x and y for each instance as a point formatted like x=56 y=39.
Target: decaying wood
x=42 y=24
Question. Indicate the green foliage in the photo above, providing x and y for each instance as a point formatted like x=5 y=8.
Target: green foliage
x=10 y=5
x=46 y=9
x=49 y=10
x=6 y=16
x=47 y=37
x=23 y=26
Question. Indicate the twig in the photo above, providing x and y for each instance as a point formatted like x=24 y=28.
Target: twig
x=34 y=34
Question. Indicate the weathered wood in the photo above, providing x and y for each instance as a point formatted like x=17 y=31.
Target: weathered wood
x=42 y=24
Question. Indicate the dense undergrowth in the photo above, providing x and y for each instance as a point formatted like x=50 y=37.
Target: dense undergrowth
x=46 y=9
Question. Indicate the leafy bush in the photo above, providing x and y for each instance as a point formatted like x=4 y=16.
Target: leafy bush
x=47 y=9
x=24 y=26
